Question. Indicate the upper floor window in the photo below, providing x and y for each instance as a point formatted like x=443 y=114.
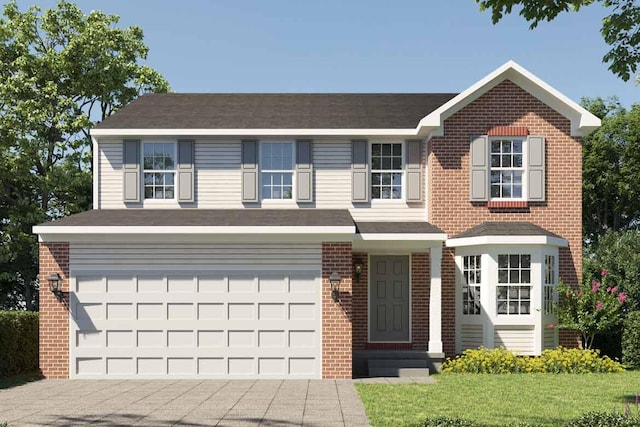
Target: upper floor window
x=513 y=292
x=507 y=168
x=471 y=269
x=159 y=164
x=386 y=171
x=276 y=167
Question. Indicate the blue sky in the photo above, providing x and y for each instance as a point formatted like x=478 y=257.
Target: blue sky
x=361 y=46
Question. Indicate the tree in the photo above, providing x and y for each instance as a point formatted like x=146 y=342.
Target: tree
x=611 y=170
x=620 y=29
x=60 y=71
x=619 y=254
x=595 y=308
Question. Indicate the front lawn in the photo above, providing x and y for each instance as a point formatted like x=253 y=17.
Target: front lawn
x=496 y=400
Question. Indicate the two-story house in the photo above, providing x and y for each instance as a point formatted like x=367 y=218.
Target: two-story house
x=299 y=235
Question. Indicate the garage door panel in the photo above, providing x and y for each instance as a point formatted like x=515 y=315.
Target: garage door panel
x=217 y=325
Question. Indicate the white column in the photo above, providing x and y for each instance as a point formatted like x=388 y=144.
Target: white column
x=435 y=300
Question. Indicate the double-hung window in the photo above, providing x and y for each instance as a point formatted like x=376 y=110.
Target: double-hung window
x=386 y=171
x=507 y=168
x=159 y=161
x=514 y=284
x=276 y=164
x=471 y=277
x=550 y=284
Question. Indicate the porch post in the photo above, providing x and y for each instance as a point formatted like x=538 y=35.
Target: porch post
x=435 y=300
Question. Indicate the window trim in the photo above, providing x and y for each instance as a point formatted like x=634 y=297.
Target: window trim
x=402 y=170
x=477 y=284
x=525 y=170
x=293 y=170
x=174 y=143
x=531 y=284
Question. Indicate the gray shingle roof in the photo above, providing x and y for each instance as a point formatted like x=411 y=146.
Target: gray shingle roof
x=398 y=227
x=207 y=217
x=505 y=229
x=275 y=111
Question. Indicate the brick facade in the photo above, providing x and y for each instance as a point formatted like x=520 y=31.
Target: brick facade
x=54 y=314
x=448 y=176
x=336 y=316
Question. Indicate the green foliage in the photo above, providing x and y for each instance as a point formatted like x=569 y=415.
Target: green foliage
x=594 y=308
x=620 y=29
x=604 y=419
x=444 y=421
x=631 y=340
x=18 y=342
x=557 y=361
x=619 y=254
x=611 y=170
x=60 y=71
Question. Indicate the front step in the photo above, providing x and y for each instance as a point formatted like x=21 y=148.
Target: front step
x=398 y=368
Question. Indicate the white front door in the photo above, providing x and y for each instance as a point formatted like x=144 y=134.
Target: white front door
x=179 y=324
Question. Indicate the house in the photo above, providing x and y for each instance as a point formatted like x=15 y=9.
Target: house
x=304 y=235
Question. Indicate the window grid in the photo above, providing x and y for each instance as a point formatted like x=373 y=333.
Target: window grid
x=506 y=168
x=471 y=270
x=386 y=171
x=550 y=285
x=159 y=170
x=513 y=298
x=276 y=163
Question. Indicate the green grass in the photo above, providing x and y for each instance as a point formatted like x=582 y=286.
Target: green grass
x=496 y=400
x=18 y=380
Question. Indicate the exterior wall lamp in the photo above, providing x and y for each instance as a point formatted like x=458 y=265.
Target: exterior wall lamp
x=335 y=279
x=358 y=272
x=55 y=281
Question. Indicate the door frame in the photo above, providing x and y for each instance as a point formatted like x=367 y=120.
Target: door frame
x=383 y=254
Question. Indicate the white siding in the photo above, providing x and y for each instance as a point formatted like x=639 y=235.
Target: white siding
x=135 y=257
x=218 y=181
x=471 y=336
x=515 y=338
x=550 y=338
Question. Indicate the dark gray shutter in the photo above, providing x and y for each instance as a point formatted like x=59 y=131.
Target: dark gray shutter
x=479 y=167
x=249 y=170
x=535 y=169
x=186 y=187
x=131 y=170
x=304 y=171
x=360 y=171
x=414 y=171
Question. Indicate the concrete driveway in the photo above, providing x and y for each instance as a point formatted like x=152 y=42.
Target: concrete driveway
x=183 y=402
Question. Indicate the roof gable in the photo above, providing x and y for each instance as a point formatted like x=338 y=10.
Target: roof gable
x=582 y=121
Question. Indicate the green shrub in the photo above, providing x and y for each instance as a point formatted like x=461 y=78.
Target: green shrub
x=603 y=419
x=502 y=361
x=18 y=342
x=631 y=340
x=443 y=421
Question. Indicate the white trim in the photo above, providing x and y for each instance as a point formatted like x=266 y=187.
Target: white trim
x=95 y=173
x=524 y=181
x=408 y=255
x=506 y=240
x=143 y=171
x=582 y=121
x=259 y=132
x=292 y=171
x=424 y=237
x=402 y=171
x=44 y=230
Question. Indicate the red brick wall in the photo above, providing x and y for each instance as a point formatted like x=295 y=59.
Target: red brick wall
x=54 y=315
x=336 y=316
x=420 y=281
x=360 y=303
x=448 y=168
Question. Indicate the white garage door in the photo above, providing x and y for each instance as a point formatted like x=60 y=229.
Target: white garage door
x=195 y=311
x=207 y=324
